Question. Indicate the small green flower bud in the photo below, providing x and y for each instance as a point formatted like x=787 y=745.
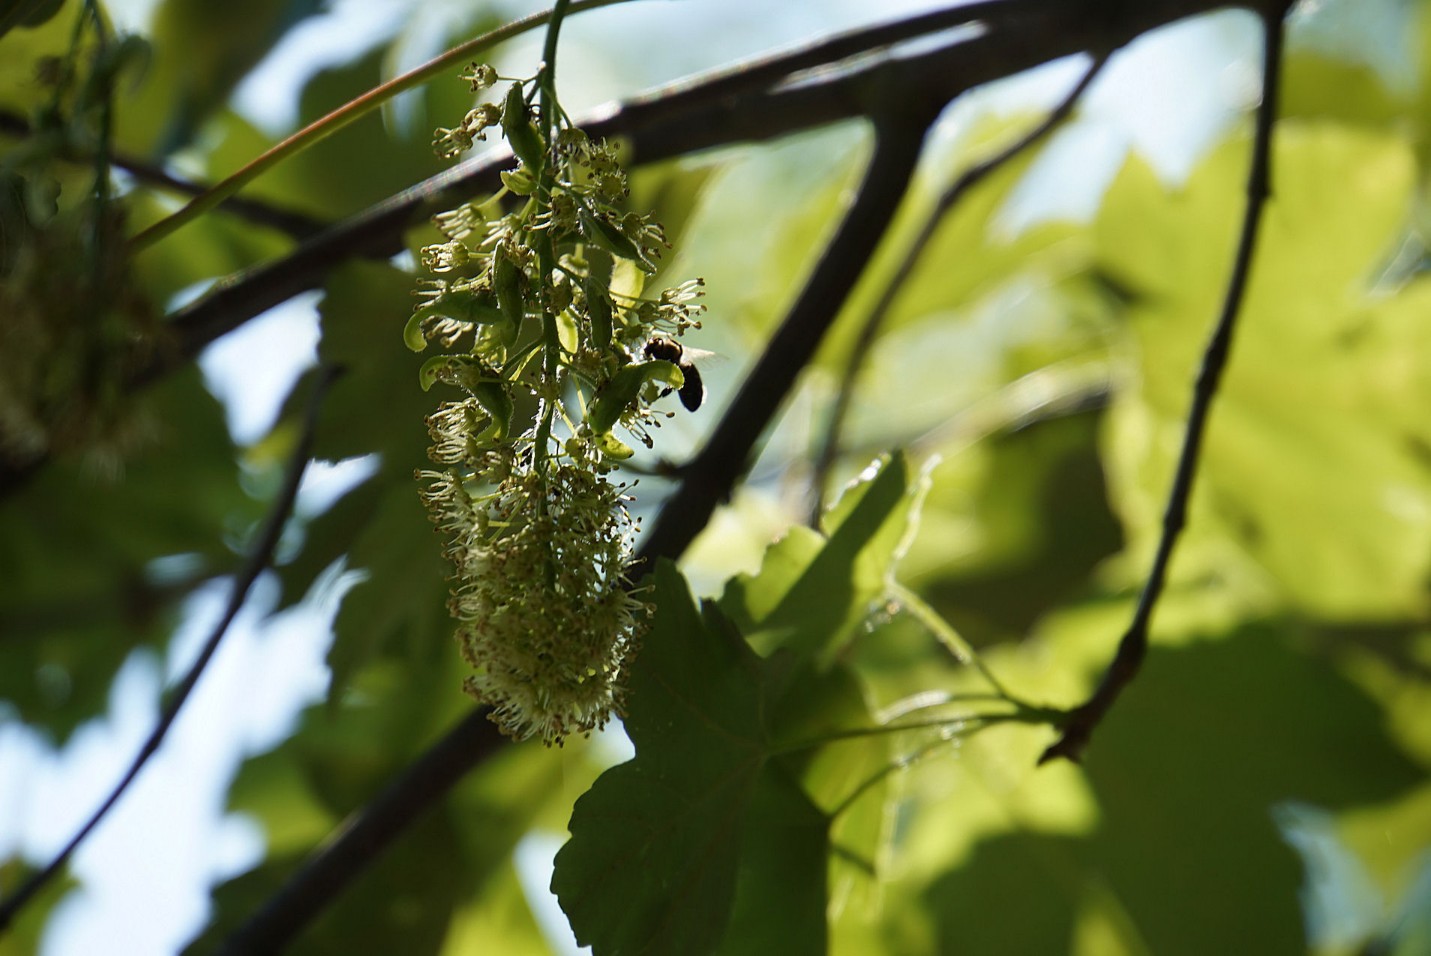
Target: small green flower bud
x=521 y=132
x=520 y=181
x=507 y=283
x=481 y=76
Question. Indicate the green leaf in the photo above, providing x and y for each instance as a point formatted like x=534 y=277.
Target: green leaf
x=498 y=919
x=1319 y=418
x=23 y=936
x=204 y=52
x=26 y=13
x=659 y=843
x=398 y=613
x=399 y=610
x=618 y=393
x=1321 y=87
x=1010 y=529
x=813 y=592
x=1186 y=771
x=95 y=567
x=375 y=406
x=1281 y=725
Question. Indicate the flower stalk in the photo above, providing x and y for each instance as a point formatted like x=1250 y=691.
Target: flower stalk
x=535 y=301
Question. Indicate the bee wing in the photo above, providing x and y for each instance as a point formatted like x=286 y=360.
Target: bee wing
x=700 y=356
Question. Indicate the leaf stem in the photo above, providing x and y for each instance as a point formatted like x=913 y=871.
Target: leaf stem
x=546 y=256
x=961 y=650
x=902 y=762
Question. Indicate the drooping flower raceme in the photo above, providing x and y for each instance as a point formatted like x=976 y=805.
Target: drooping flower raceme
x=535 y=298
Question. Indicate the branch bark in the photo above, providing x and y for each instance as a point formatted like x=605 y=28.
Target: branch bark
x=754 y=102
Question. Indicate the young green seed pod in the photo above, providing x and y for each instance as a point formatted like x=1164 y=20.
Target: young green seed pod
x=412 y=335
x=493 y=397
x=521 y=132
x=520 y=180
x=623 y=388
x=598 y=307
x=463 y=305
x=597 y=286
x=606 y=236
x=507 y=282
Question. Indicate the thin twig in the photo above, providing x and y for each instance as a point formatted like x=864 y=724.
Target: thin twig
x=869 y=331
x=259 y=557
x=1133 y=647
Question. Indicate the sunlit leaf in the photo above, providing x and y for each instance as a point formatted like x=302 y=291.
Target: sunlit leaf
x=812 y=591
x=1319 y=414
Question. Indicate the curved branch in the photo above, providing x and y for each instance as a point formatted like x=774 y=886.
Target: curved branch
x=738 y=106
x=1134 y=645
x=364 y=835
x=729 y=108
x=259 y=557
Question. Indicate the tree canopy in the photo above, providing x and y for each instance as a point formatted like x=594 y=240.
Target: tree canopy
x=1041 y=564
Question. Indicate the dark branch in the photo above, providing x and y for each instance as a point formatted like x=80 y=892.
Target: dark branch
x=259 y=557
x=728 y=109
x=741 y=106
x=869 y=331
x=1134 y=645
x=708 y=479
x=364 y=835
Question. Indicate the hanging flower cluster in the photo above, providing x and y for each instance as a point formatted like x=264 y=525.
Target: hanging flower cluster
x=535 y=299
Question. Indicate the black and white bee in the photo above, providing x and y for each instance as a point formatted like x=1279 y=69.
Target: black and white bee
x=693 y=392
